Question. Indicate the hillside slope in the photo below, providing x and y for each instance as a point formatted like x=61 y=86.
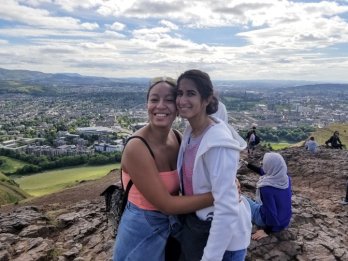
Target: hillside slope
x=10 y=193
x=323 y=134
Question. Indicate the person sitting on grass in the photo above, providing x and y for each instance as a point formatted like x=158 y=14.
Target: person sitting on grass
x=334 y=141
x=271 y=211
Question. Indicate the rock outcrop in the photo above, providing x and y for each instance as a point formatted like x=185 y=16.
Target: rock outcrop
x=318 y=230
x=79 y=232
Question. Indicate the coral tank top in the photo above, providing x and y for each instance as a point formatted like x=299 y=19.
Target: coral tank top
x=170 y=180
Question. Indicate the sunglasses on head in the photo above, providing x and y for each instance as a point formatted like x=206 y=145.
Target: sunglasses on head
x=166 y=79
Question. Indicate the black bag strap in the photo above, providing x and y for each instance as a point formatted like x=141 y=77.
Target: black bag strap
x=125 y=198
x=177 y=135
x=144 y=141
x=130 y=183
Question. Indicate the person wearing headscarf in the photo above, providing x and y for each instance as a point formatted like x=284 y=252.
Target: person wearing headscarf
x=271 y=210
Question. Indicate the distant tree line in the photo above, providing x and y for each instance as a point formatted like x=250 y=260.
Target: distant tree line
x=41 y=163
x=284 y=134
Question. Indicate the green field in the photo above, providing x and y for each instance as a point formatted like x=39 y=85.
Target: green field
x=279 y=146
x=55 y=180
x=10 y=165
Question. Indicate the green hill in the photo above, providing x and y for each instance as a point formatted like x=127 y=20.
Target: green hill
x=3 y=177
x=323 y=134
x=20 y=87
x=9 y=191
x=9 y=165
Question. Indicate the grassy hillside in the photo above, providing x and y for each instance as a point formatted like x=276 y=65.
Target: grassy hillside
x=9 y=192
x=19 y=87
x=55 y=180
x=3 y=177
x=10 y=165
x=323 y=134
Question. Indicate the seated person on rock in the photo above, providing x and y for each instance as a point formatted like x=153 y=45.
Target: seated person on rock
x=311 y=145
x=271 y=211
x=334 y=141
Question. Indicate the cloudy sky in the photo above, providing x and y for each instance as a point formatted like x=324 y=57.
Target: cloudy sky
x=231 y=40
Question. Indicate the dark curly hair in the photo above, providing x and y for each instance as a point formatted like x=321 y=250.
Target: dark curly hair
x=204 y=87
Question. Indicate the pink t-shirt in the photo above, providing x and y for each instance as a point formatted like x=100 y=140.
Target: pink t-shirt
x=170 y=180
x=189 y=161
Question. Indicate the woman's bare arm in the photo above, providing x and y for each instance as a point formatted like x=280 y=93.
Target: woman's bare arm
x=140 y=165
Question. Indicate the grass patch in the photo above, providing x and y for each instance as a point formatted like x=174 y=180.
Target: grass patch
x=10 y=193
x=10 y=165
x=3 y=177
x=55 y=180
x=279 y=146
x=323 y=134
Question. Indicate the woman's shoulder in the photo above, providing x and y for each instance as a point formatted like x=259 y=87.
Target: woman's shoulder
x=137 y=146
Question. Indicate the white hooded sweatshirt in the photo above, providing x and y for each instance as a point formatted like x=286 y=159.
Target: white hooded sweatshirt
x=214 y=170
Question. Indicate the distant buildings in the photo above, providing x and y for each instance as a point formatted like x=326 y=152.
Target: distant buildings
x=104 y=147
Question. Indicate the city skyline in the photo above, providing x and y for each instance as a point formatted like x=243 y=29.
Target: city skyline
x=240 y=40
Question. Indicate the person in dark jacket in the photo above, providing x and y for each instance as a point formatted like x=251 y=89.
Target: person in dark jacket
x=250 y=139
x=334 y=141
x=271 y=211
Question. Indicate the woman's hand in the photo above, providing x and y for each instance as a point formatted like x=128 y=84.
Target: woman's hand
x=259 y=234
x=244 y=162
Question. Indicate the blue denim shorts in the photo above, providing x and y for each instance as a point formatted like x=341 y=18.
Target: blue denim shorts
x=142 y=234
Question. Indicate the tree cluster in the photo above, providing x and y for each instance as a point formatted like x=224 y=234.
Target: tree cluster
x=36 y=164
x=285 y=134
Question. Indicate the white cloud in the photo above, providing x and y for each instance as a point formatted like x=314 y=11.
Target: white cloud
x=169 y=24
x=89 y=26
x=72 y=5
x=12 y=11
x=114 y=34
x=117 y=26
x=114 y=8
x=34 y=3
x=34 y=34
x=3 y=42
